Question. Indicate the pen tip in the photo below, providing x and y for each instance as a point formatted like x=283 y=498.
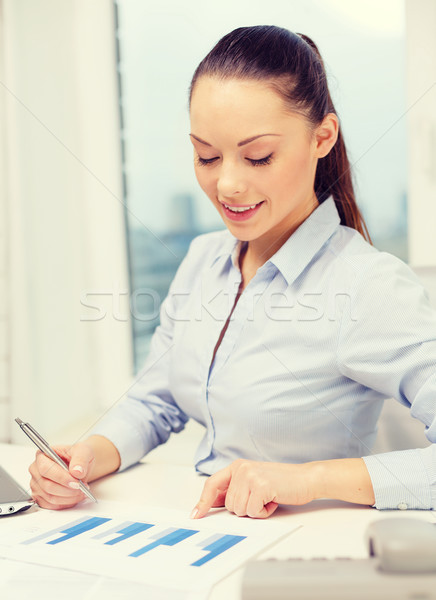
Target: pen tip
x=19 y=421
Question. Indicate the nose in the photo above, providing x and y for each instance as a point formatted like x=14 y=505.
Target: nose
x=231 y=180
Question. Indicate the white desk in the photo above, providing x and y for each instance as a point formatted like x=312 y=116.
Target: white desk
x=329 y=528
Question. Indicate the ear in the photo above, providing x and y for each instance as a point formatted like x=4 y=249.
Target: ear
x=326 y=135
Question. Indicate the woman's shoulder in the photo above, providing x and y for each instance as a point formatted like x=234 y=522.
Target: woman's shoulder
x=348 y=244
x=360 y=262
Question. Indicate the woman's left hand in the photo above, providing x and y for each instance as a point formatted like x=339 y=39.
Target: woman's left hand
x=255 y=489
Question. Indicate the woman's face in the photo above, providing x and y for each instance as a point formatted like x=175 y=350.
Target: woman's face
x=255 y=160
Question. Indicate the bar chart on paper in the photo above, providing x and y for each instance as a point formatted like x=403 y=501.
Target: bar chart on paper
x=209 y=548
x=152 y=545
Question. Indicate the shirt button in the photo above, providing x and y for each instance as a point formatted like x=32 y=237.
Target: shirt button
x=402 y=506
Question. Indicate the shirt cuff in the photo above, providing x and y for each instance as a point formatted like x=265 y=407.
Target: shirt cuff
x=428 y=457
x=400 y=480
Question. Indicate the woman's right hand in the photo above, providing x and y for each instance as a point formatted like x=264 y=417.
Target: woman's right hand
x=53 y=487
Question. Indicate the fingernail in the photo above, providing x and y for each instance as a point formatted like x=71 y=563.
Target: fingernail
x=194 y=513
x=75 y=485
x=78 y=468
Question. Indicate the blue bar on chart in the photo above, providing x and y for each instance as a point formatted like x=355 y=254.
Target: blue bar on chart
x=169 y=537
x=78 y=523
x=129 y=531
x=114 y=529
x=216 y=546
x=71 y=532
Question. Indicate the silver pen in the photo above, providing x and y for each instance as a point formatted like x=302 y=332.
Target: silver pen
x=44 y=446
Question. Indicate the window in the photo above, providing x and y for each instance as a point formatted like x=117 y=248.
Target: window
x=363 y=46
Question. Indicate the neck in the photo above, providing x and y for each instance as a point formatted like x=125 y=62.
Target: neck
x=260 y=250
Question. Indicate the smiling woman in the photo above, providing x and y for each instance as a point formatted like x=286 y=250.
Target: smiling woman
x=282 y=334
x=262 y=185
x=289 y=94
x=262 y=135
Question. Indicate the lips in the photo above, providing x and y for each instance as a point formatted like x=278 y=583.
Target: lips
x=240 y=208
x=242 y=212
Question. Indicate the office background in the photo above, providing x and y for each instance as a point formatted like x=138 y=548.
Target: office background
x=98 y=197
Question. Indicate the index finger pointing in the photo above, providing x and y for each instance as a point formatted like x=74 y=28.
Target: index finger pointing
x=216 y=484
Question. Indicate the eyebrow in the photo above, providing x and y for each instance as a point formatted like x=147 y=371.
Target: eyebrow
x=243 y=143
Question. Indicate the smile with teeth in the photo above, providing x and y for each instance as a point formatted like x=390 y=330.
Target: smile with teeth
x=240 y=208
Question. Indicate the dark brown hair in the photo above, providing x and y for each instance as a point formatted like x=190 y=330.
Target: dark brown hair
x=292 y=65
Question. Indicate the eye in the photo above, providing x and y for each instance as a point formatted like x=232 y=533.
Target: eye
x=206 y=161
x=261 y=161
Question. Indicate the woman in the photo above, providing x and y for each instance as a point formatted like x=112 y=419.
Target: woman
x=284 y=333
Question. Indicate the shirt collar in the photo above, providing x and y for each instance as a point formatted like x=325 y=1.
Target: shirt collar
x=230 y=247
x=297 y=252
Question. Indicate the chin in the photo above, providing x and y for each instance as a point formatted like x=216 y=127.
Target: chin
x=240 y=234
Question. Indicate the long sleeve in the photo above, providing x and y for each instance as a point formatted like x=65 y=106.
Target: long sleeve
x=147 y=414
x=389 y=345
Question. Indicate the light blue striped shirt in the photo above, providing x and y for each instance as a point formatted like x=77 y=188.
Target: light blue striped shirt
x=325 y=331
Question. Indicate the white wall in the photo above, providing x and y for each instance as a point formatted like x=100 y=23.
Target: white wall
x=421 y=116
x=4 y=304
x=65 y=212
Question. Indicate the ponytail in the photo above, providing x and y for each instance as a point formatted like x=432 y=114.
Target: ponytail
x=333 y=177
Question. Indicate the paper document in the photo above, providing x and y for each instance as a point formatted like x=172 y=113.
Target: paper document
x=158 y=547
